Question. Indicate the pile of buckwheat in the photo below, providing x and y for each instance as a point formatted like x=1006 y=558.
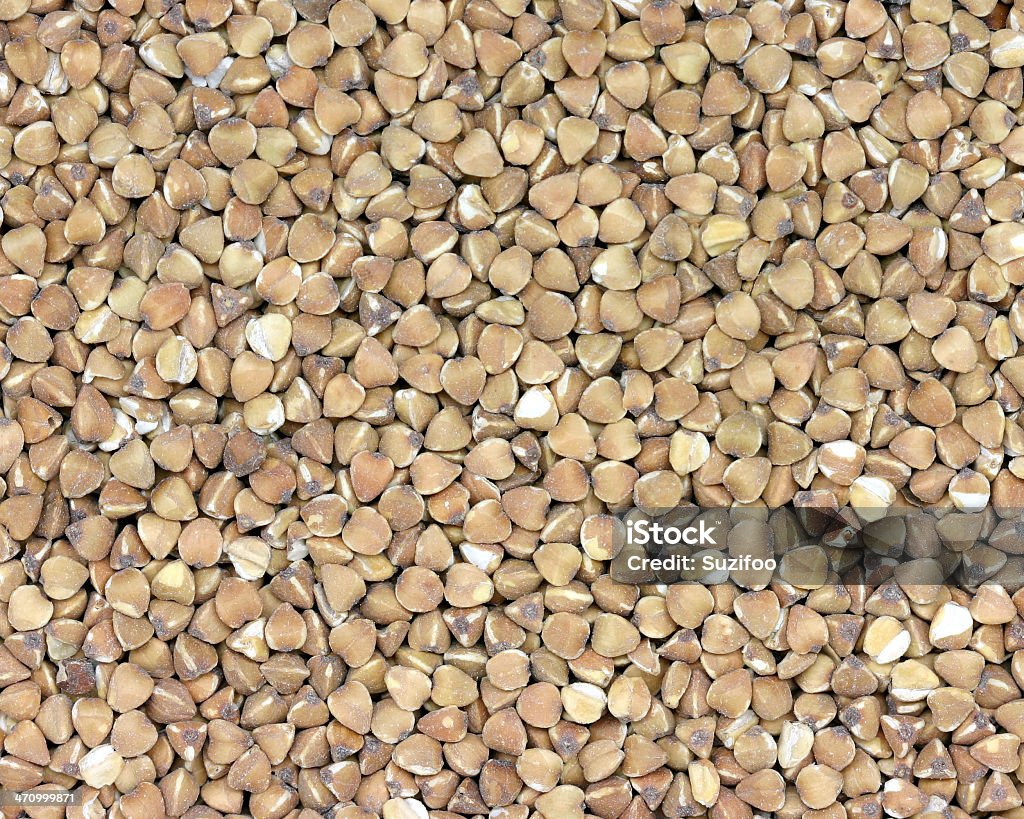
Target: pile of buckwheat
x=340 y=336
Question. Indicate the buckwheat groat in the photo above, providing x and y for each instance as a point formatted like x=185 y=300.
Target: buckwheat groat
x=340 y=341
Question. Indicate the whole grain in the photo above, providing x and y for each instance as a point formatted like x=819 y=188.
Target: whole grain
x=336 y=339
